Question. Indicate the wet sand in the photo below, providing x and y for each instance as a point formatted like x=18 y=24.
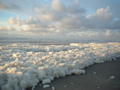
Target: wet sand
x=96 y=78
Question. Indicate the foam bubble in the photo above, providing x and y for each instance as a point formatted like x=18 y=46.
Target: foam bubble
x=25 y=65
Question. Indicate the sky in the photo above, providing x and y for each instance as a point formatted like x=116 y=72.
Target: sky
x=73 y=19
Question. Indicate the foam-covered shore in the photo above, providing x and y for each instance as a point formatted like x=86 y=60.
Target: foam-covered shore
x=105 y=76
x=24 y=65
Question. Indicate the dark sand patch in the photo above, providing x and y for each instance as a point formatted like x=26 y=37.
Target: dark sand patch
x=89 y=80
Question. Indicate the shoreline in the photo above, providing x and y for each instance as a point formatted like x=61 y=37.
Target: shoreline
x=97 y=77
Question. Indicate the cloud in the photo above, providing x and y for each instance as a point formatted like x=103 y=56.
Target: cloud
x=58 y=11
x=114 y=24
x=58 y=6
x=74 y=8
x=101 y=15
x=101 y=18
x=72 y=23
x=8 y=6
x=49 y=20
x=33 y=28
x=31 y=20
x=48 y=15
x=65 y=19
x=93 y=5
x=15 y=21
x=62 y=17
x=108 y=33
x=31 y=24
x=7 y=28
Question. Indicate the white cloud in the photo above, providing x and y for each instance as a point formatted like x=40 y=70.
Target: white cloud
x=62 y=17
x=25 y=27
x=102 y=15
x=72 y=23
x=35 y=29
x=15 y=21
x=108 y=33
x=100 y=19
x=18 y=21
x=65 y=19
x=7 y=28
x=51 y=21
x=48 y=14
x=58 y=11
x=58 y=6
x=33 y=25
x=31 y=20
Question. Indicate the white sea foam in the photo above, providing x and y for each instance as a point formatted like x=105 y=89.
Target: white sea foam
x=24 y=65
x=46 y=86
x=112 y=77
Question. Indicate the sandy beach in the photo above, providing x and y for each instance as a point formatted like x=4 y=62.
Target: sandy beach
x=97 y=77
